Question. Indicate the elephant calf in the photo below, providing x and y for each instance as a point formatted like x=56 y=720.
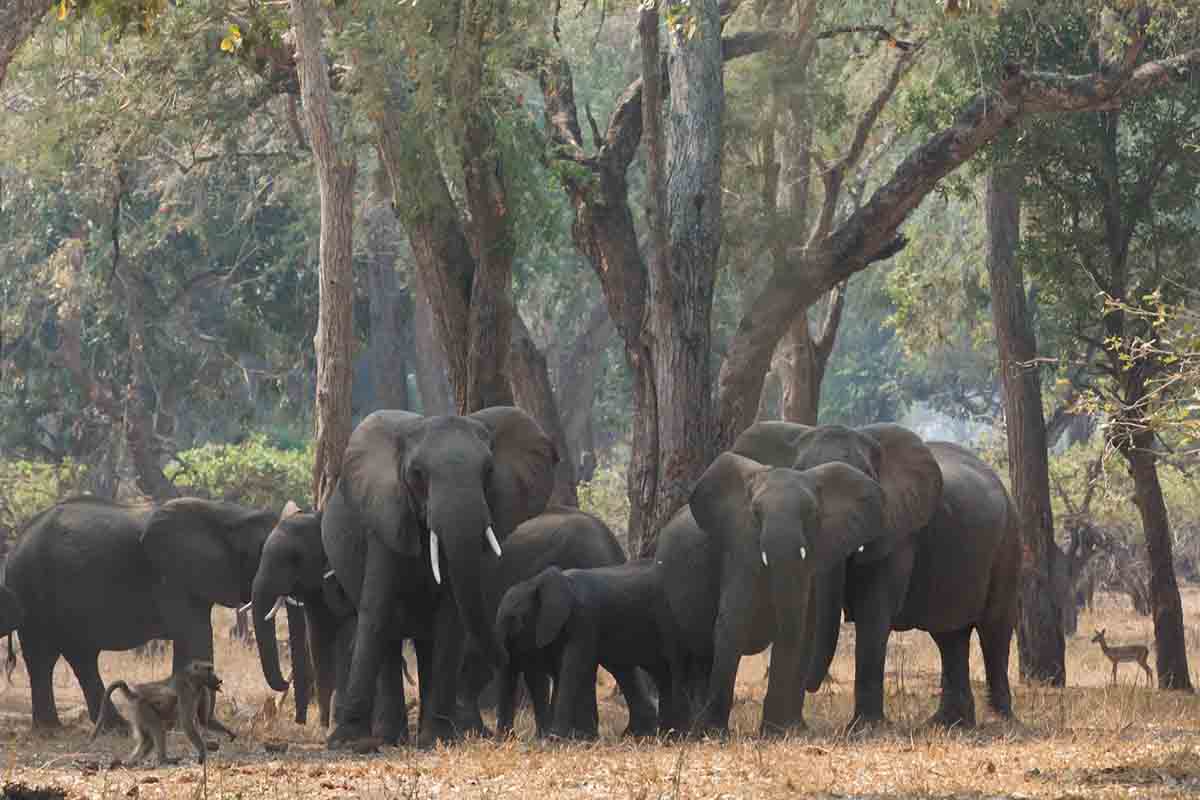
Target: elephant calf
x=616 y=617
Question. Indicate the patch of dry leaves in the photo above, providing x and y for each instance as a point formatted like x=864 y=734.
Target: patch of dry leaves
x=1089 y=740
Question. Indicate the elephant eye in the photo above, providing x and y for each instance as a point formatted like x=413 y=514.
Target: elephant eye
x=416 y=479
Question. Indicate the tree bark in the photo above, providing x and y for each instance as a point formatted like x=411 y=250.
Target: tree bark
x=534 y=393
x=335 y=329
x=18 y=20
x=389 y=324
x=1040 y=634
x=433 y=382
x=575 y=377
x=1170 y=643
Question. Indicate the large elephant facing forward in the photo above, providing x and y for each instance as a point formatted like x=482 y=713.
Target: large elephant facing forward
x=945 y=559
x=415 y=527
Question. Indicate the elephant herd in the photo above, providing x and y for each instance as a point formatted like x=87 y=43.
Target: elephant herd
x=439 y=533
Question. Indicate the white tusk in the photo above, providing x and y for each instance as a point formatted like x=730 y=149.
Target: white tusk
x=327 y=575
x=803 y=554
x=270 y=615
x=433 y=557
x=245 y=608
x=764 y=555
x=291 y=601
x=491 y=537
x=862 y=547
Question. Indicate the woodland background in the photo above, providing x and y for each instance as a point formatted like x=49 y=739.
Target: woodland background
x=229 y=230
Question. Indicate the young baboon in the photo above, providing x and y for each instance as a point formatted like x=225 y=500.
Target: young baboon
x=188 y=696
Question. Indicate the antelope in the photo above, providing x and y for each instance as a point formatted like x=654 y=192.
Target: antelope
x=1124 y=652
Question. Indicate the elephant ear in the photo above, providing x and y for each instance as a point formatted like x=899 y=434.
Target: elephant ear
x=372 y=482
x=523 y=460
x=851 y=512
x=555 y=601
x=771 y=443
x=911 y=481
x=720 y=500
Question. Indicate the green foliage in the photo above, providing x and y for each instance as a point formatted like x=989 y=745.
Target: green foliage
x=606 y=496
x=27 y=487
x=252 y=473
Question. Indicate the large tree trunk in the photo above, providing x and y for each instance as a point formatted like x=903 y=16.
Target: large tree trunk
x=575 y=376
x=1170 y=644
x=389 y=326
x=682 y=275
x=433 y=383
x=335 y=329
x=1040 y=635
x=534 y=393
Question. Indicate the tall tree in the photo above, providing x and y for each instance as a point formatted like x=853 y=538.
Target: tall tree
x=335 y=327
x=1040 y=635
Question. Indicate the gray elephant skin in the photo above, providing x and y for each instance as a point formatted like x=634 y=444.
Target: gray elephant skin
x=414 y=529
x=578 y=619
x=908 y=535
x=157 y=574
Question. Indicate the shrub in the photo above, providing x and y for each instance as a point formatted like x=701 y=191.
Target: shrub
x=27 y=487
x=606 y=497
x=253 y=473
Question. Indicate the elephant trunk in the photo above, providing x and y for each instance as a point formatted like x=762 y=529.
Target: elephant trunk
x=828 y=596
x=262 y=601
x=462 y=524
x=298 y=639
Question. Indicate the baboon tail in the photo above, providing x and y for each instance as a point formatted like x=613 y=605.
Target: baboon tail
x=106 y=703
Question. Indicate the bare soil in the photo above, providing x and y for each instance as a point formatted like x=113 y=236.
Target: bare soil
x=1090 y=740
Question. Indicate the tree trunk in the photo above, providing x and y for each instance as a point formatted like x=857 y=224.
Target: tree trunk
x=389 y=324
x=531 y=385
x=335 y=328
x=682 y=277
x=18 y=20
x=1040 y=635
x=1170 y=644
x=432 y=380
x=575 y=377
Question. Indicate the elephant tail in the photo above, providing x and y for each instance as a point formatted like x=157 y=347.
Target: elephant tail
x=10 y=661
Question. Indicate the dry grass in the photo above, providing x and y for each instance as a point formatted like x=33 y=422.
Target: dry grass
x=1090 y=740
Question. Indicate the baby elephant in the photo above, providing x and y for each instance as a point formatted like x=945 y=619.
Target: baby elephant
x=616 y=617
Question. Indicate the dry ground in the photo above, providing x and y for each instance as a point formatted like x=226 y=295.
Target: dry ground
x=1090 y=740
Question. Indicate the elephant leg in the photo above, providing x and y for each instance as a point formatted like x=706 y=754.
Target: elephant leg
x=343 y=652
x=729 y=642
x=537 y=683
x=391 y=708
x=995 y=641
x=87 y=672
x=576 y=677
x=438 y=724
x=872 y=626
x=375 y=609
x=795 y=621
x=39 y=663
x=506 y=696
x=957 y=707
x=643 y=719
x=477 y=673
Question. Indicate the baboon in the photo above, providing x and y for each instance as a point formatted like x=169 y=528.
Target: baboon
x=188 y=696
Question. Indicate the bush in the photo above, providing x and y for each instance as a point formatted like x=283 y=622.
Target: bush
x=606 y=497
x=27 y=487
x=253 y=473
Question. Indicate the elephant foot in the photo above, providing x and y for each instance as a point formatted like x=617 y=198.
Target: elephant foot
x=641 y=729
x=950 y=718
x=781 y=730
x=47 y=727
x=862 y=725
x=437 y=730
x=346 y=733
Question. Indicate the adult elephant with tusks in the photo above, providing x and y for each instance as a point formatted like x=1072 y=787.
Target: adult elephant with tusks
x=206 y=553
x=943 y=556
x=414 y=528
